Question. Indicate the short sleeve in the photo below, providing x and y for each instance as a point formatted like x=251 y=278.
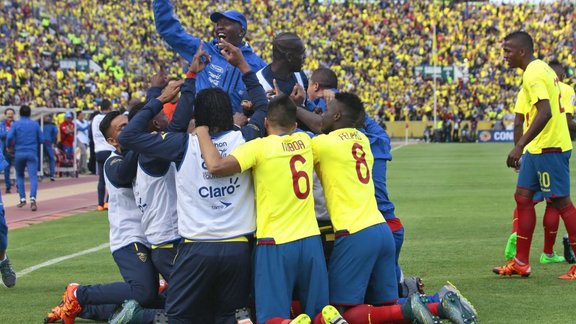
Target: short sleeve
x=535 y=86
x=248 y=153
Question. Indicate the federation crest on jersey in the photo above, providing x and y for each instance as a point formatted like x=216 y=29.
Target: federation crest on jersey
x=142 y=256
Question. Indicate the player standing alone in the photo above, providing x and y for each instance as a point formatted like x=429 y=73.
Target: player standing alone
x=545 y=165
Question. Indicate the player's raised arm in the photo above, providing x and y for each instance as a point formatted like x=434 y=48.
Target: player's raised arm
x=185 y=107
x=256 y=93
x=172 y=31
x=216 y=164
x=166 y=146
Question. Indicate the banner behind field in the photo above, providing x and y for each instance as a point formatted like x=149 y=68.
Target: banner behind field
x=487 y=136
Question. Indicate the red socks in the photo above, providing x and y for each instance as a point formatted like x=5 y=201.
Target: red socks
x=515 y=221
x=373 y=314
x=568 y=214
x=550 y=222
x=526 y=225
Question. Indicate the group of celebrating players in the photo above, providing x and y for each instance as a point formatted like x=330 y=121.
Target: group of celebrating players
x=309 y=234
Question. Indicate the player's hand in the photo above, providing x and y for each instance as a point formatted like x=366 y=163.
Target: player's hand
x=200 y=60
x=171 y=91
x=234 y=56
x=328 y=95
x=240 y=119
x=514 y=156
x=298 y=95
x=273 y=92
x=246 y=105
x=159 y=80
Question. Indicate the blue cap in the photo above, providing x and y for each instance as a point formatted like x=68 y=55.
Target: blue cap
x=68 y=114
x=232 y=15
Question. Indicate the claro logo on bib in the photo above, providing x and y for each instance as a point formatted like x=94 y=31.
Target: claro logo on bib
x=219 y=191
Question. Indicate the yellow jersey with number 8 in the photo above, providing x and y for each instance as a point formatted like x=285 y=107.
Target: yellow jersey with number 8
x=344 y=164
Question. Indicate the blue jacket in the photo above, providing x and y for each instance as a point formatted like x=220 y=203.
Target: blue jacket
x=3 y=134
x=50 y=133
x=380 y=146
x=219 y=73
x=26 y=135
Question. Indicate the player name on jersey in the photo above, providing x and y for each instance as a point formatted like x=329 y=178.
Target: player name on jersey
x=293 y=146
x=350 y=135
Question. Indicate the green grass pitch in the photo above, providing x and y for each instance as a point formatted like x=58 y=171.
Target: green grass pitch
x=456 y=203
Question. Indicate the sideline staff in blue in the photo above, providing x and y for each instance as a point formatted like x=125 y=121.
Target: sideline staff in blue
x=27 y=137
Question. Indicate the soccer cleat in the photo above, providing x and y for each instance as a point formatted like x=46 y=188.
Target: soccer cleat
x=568 y=252
x=52 y=179
x=105 y=206
x=301 y=319
x=100 y=208
x=70 y=308
x=555 y=258
x=570 y=275
x=415 y=310
x=510 y=251
x=8 y=274
x=331 y=315
x=243 y=316
x=449 y=287
x=54 y=314
x=513 y=268
x=21 y=204
x=129 y=312
x=33 y=205
x=454 y=309
x=411 y=285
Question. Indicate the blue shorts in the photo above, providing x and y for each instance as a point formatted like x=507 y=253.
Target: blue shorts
x=362 y=268
x=548 y=173
x=282 y=269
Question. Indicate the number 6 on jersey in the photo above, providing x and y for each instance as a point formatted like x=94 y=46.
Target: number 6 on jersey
x=297 y=175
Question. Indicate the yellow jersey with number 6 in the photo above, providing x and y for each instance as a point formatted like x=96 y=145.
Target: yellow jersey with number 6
x=282 y=169
x=344 y=164
x=539 y=82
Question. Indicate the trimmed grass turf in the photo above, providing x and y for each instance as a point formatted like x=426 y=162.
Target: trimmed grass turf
x=455 y=201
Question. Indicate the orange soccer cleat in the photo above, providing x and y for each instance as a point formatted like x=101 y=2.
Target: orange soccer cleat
x=513 y=268
x=70 y=308
x=54 y=314
x=570 y=275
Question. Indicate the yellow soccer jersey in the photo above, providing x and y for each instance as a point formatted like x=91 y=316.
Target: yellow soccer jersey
x=567 y=98
x=282 y=169
x=344 y=164
x=539 y=82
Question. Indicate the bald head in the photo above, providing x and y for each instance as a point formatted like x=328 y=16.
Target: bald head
x=288 y=48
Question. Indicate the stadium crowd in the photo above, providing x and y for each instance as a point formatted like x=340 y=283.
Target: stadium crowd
x=372 y=56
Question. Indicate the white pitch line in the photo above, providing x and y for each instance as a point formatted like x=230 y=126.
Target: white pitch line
x=60 y=259
x=397 y=147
